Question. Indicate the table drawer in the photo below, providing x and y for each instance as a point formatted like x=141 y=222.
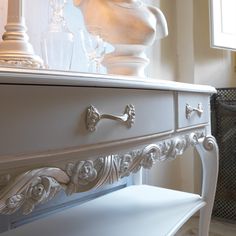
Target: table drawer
x=39 y=118
x=193 y=109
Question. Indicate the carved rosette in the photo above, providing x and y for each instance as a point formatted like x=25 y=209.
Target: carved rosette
x=32 y=188
x=81 y=174
x=41 y=185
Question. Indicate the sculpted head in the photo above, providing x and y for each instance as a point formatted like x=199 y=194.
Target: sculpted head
x=130 y=26
x=120 y=17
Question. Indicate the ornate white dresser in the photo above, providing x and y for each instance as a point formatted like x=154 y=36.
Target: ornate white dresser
x=75 y=132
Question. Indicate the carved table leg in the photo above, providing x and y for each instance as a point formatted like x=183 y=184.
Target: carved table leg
x=208 y=151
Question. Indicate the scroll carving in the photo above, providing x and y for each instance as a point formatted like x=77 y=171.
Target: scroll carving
x=209 y=143
x=41 y=185
x=32 y=188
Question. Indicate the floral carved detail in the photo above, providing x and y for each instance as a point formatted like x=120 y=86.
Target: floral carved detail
x=40 y=185
x=32 y=188
x=85 y=175
x=93 y=118
x=130 y=111
x=81 y=174
x=125 y=164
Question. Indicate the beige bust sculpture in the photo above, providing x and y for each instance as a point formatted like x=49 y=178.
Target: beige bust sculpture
x=130 y=26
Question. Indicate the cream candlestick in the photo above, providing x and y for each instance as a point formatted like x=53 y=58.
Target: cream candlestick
x=15 y=49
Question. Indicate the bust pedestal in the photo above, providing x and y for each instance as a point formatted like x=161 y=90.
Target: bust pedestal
x=126 y=59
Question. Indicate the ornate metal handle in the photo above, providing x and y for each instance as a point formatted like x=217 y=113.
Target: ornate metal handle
x=93 y=117
x=189 y=110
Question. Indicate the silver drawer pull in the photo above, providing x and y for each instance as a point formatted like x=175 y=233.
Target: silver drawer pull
x=93 y=117
x=189 y=110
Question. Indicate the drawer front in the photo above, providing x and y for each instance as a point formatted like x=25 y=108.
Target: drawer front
x=39 y=118
x=193 y=109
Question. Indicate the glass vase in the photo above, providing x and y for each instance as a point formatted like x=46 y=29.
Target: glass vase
x=93 y=46
x=57 y=42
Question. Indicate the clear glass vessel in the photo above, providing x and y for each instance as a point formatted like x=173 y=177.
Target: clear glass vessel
x=57 y=42
x=94 y=47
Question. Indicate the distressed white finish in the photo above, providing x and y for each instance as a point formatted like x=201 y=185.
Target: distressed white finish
x=46 y=147
x=223 y=26
x=15 y=49
x=130 y=26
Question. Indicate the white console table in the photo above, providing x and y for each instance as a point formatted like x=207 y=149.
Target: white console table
x=75 y=132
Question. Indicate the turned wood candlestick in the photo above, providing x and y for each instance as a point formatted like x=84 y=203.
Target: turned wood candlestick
x=15 y=49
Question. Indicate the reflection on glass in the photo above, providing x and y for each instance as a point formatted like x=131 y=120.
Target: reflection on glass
x=94 y=47
x=57 y=43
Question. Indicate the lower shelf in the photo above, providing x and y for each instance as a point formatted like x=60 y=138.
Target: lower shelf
x=132 y=211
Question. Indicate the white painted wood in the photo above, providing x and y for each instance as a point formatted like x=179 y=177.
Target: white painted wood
x=223 y=23
x=133 y=211
x=35 y=186
x=43 y=136
x=40 y=118
x=208 y=151
x=40 y=77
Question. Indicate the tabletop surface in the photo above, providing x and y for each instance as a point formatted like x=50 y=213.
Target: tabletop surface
x=62 y=78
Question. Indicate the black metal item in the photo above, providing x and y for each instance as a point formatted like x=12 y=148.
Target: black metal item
x=223 y=107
